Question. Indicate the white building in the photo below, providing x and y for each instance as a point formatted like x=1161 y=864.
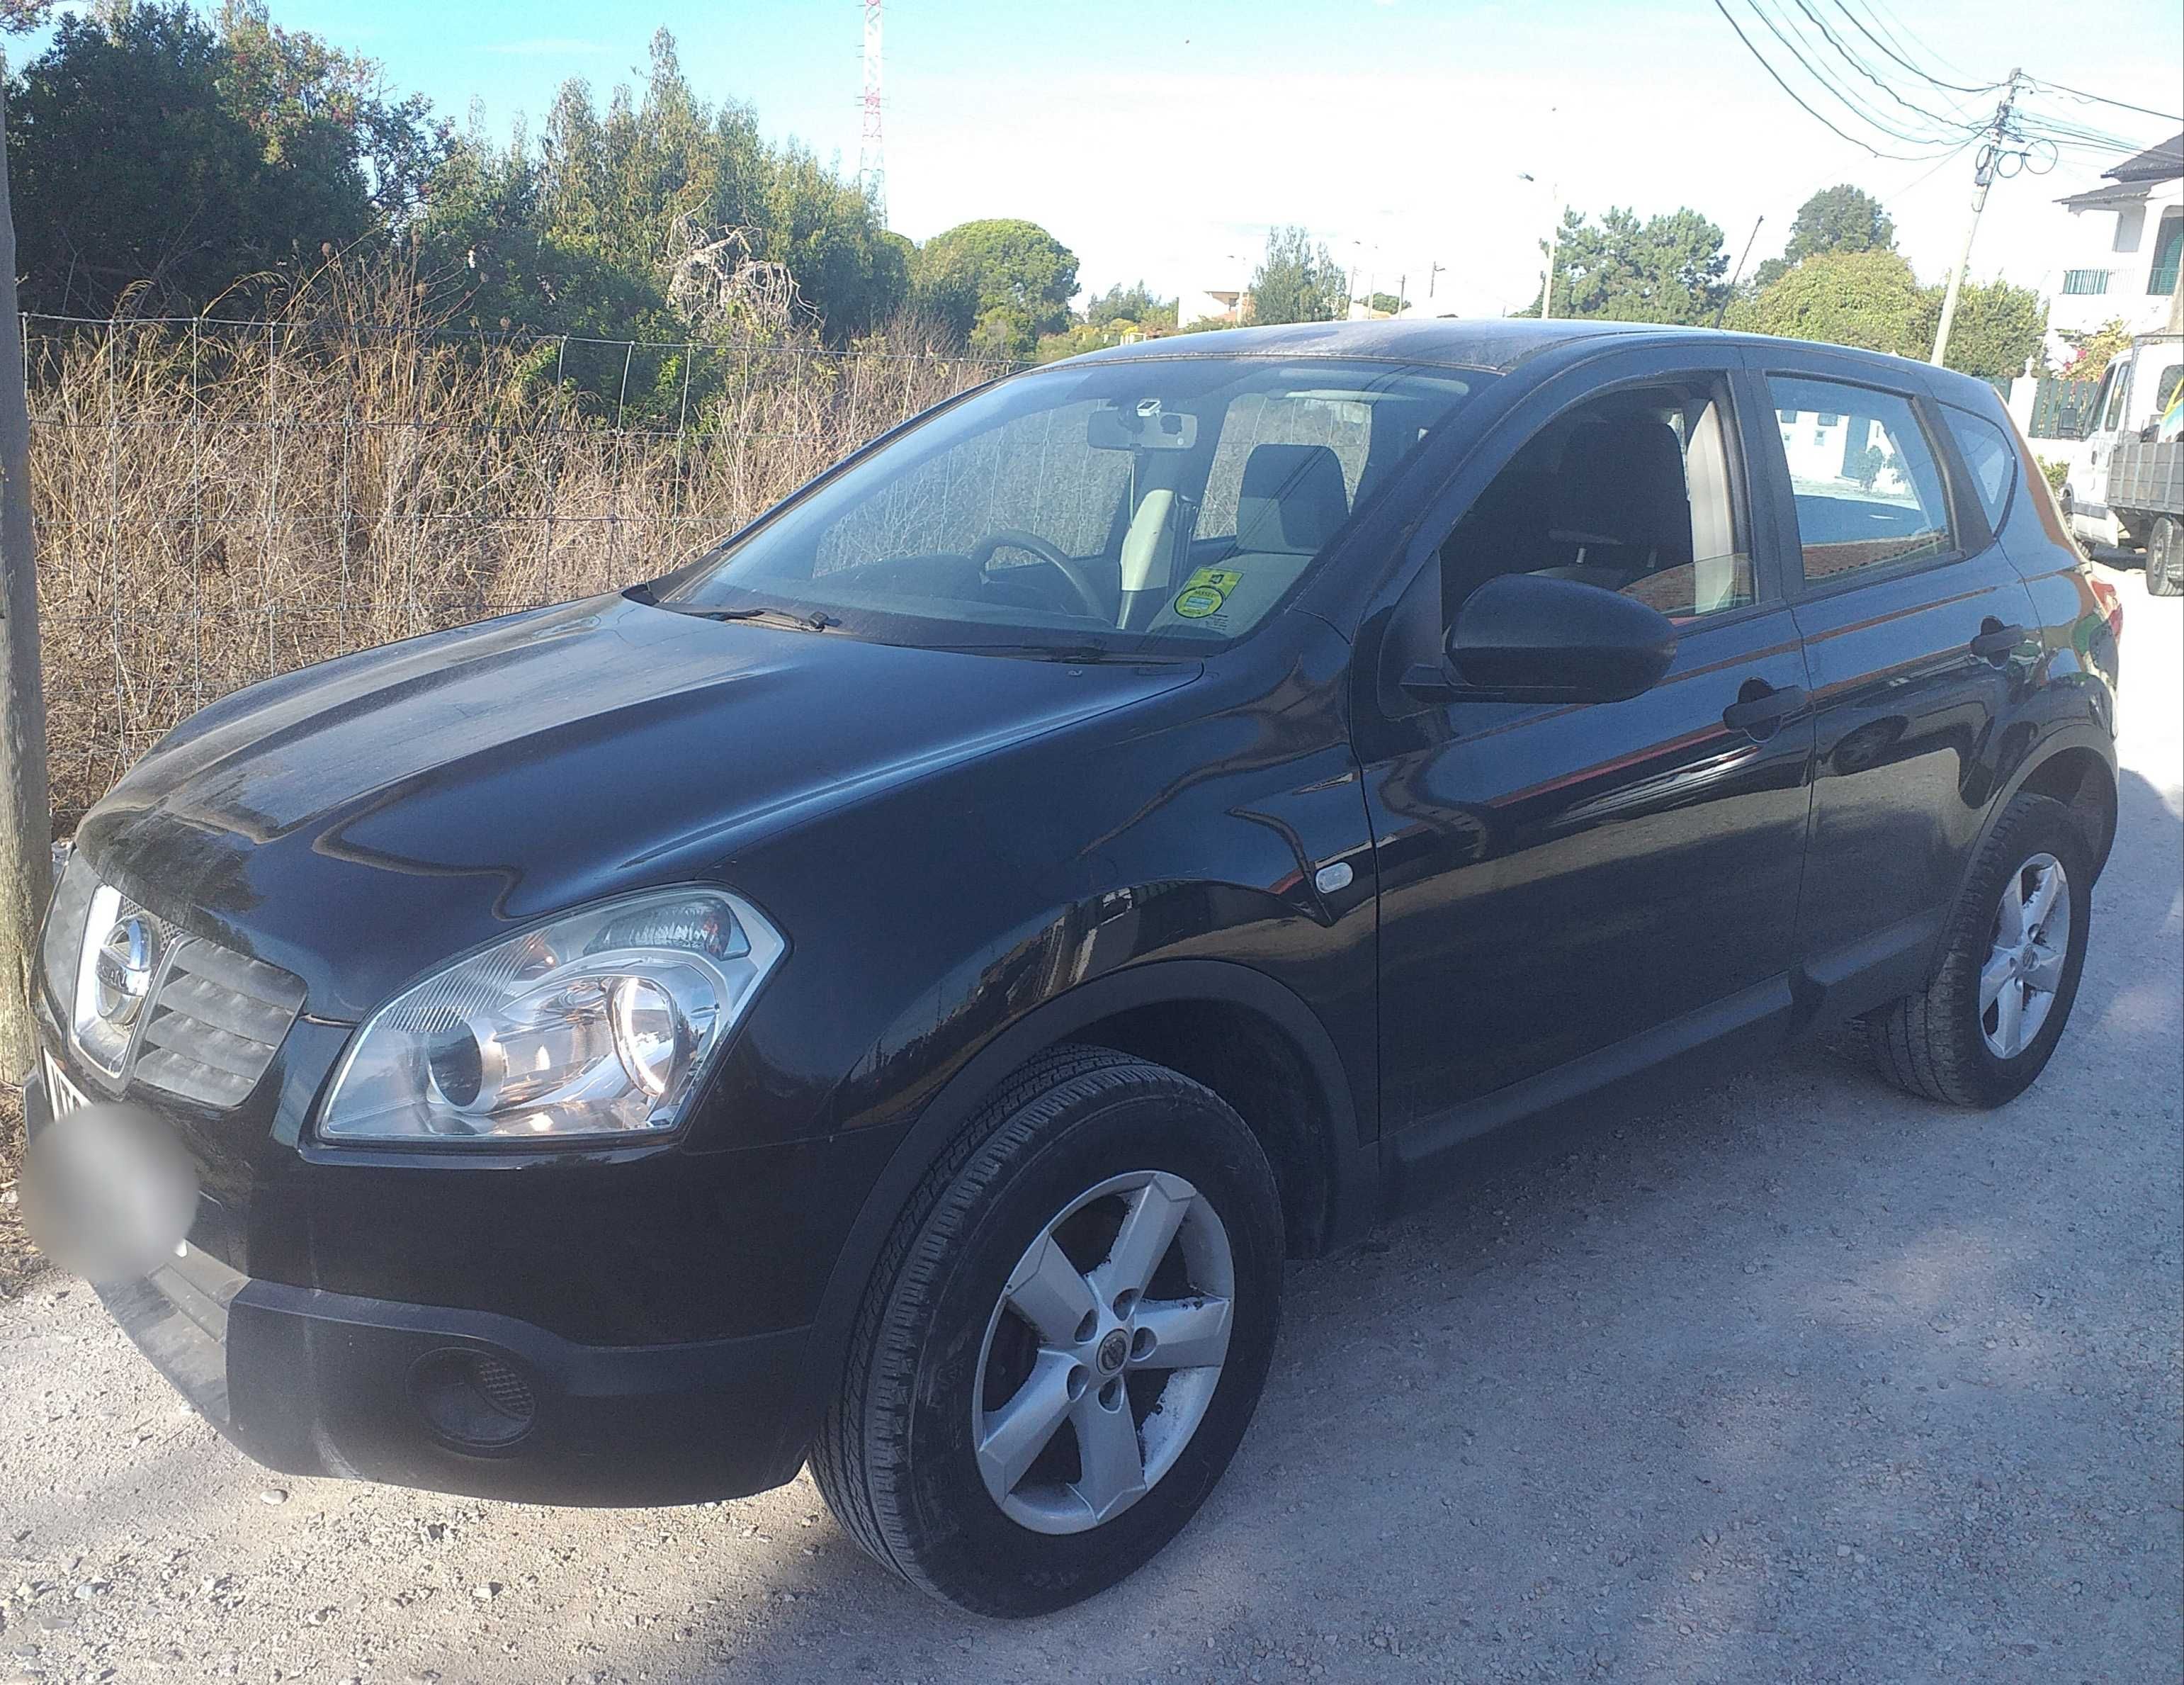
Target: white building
x=1228 y=308
x=2127 y=238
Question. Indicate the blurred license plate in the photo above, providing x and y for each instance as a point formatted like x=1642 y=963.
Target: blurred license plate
x=62 y=1095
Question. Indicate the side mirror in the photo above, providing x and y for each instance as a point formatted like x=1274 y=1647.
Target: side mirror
x=1524 y=638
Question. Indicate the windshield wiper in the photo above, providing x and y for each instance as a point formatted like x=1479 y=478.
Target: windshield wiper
x=813 y=621
x=1080 y=654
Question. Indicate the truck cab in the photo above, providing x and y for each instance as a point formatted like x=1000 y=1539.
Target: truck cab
x=2133 y=460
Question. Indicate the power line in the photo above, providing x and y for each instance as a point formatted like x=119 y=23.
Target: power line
x=1919 y=71
x=1925 y=176
x=1767 y=65
x=2028 y=139
x=1857 y=109
x=1859 y=64
x=2101 y=99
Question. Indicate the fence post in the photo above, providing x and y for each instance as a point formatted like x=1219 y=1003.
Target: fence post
x=26 y=801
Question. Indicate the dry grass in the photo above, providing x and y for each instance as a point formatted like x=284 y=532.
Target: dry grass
x=18 y=1261
x=217 y=503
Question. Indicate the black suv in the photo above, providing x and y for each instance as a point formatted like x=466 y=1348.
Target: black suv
x=893 y=992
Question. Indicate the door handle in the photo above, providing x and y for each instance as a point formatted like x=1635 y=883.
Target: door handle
x=1996 y=642
x=1760 y=708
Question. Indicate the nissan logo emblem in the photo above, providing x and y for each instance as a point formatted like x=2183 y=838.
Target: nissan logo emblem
x=123 y=970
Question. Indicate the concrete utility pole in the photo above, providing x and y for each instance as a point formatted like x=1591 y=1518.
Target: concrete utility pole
x=26 y=859
x=1983 y=174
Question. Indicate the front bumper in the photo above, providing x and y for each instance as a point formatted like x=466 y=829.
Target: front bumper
x=309 y=1382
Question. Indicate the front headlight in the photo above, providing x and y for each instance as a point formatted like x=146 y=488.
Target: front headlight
x=597 y=1023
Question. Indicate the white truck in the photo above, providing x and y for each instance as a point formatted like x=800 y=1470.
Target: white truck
x=2130 y=494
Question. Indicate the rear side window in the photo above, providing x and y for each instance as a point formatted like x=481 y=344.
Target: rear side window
x=2167 y=393
x=1868 y=489
x=1991 y=456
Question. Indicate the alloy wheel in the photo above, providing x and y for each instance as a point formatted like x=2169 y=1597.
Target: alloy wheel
x=1104 y=1353
x=2027 y=952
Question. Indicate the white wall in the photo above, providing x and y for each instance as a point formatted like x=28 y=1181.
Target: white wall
x=2124 y=245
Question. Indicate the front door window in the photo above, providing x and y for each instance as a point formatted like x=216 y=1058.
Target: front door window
x=1631 y=492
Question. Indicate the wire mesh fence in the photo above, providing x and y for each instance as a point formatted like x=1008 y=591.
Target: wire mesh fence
x=220 y=501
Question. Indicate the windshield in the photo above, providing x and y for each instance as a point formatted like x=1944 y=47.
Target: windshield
x=1133 y=506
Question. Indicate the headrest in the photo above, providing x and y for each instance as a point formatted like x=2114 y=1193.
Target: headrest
x=1622 y=482
x=1292 y=499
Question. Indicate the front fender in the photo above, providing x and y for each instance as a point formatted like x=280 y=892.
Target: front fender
x=1352 y=1161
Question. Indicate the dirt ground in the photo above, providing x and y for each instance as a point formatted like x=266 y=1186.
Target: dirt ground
x=1789 y=1379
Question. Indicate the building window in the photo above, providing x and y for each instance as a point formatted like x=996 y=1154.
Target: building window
x=2085 y=280
x=2168 y=249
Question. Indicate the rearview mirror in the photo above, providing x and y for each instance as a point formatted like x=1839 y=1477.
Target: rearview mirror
x=1146 y=427
x=1526 y=637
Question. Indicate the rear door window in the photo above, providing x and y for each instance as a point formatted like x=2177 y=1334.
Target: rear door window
x=1988 y=452
x=1868 y=489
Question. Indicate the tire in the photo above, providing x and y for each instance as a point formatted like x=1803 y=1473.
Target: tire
x=2164 y=558
x=943 y=1349
x=1946 y=1043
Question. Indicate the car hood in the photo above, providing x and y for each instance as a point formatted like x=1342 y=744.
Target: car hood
x=361 y=821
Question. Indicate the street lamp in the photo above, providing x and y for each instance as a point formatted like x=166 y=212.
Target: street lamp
x=1554 y=232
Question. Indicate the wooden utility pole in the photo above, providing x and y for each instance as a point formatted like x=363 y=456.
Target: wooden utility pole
x=26 y=860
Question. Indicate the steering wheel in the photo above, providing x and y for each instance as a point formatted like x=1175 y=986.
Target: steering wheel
x=1015 y=538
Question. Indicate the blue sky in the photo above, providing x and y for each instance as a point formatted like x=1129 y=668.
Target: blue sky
x=1161 y=141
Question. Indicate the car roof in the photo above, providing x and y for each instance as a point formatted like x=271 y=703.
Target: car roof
x=1496 y=343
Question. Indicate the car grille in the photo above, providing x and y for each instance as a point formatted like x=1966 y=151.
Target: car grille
x=213 y=1018
x=214 y=1022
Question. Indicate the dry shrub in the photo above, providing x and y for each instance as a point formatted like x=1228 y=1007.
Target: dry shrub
x=217 y=502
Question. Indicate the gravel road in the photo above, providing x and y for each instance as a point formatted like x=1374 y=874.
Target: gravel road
x=1790 y=1379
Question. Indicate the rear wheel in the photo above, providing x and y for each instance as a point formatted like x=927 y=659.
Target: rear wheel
x=2164 y=558
x=1984 y=1027
x=1064 y=1341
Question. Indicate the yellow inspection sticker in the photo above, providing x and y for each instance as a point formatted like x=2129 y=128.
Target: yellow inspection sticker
x=1205 y=591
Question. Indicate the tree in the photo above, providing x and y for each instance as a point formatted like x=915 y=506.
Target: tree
x=1021 y=277
x=155 y=158
x=1387 y=304
x=1296 y=280
x=1999 y=329
x=306 y=100
x=20 y=17
x=613 y=214
x=1869 y=299
x=1134 y=304
x=1872 y=299
x=1838 y=218
x=1666 y=269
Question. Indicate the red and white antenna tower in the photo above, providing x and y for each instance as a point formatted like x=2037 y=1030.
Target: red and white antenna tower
x=871 y=160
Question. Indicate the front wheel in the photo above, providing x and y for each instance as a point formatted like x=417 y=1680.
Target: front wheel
x=2164 y=558
x=1985 y=1026
x=1064 y=1341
